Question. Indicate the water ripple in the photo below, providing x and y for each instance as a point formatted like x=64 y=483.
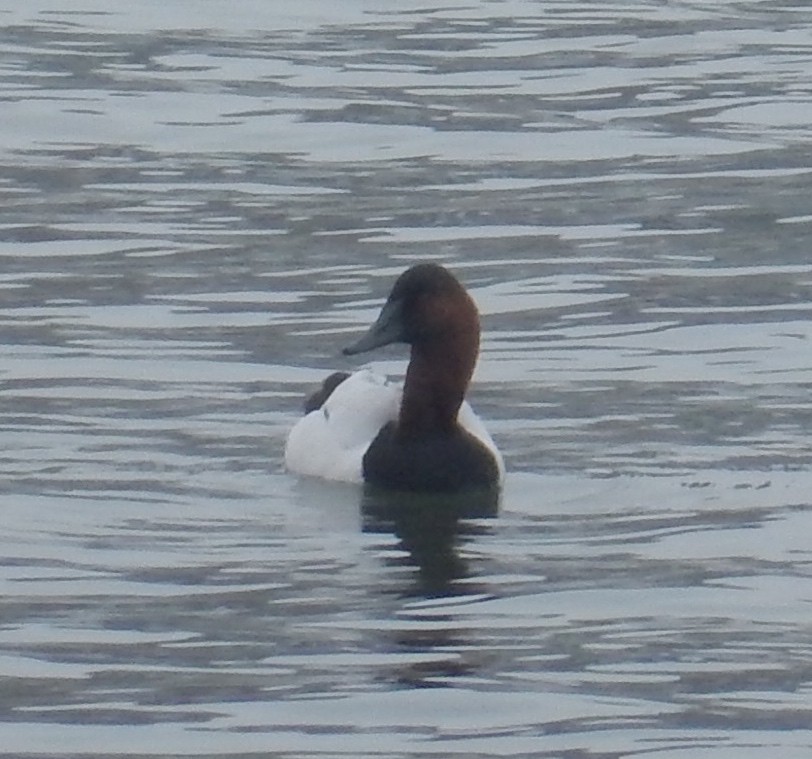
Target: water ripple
x=203 y=206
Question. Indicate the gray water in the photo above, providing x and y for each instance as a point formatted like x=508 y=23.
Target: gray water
x=201 y=202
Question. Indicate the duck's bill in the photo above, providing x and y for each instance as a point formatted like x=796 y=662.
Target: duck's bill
x=387 y=328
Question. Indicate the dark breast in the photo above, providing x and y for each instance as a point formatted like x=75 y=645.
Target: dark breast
x=447 y=463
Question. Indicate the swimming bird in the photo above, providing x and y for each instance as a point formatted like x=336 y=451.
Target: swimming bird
x=423 y=436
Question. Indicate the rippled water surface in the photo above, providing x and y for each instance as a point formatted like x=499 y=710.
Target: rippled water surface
x=202 y=202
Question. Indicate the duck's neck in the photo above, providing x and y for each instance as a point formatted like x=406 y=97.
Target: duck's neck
x=435 y=385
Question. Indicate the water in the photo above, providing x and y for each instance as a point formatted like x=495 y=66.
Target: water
x=201 y=205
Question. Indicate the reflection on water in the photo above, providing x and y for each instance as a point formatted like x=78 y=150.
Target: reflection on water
x=202 y=206
x=430 y=528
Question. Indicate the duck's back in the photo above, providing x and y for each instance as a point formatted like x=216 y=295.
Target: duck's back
x=331 y=440
x=349 y=419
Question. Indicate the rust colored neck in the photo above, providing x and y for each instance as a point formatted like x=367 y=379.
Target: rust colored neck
x=438 y=376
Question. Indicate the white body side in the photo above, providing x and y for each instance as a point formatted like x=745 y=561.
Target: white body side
x=330 y=442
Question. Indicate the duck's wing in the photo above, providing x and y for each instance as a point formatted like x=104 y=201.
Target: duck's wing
x=330 y=441
x=472 y=424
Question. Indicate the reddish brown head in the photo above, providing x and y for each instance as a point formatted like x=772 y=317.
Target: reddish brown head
x=430 y=310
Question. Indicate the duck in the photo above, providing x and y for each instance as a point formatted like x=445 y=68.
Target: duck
x=421 y=435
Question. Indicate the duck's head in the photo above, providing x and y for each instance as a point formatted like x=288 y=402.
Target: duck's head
x=427 y=307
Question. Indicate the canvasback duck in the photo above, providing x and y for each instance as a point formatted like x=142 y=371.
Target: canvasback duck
x=422 y=436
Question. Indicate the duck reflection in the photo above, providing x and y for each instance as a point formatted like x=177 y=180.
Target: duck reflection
x=430 y=529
